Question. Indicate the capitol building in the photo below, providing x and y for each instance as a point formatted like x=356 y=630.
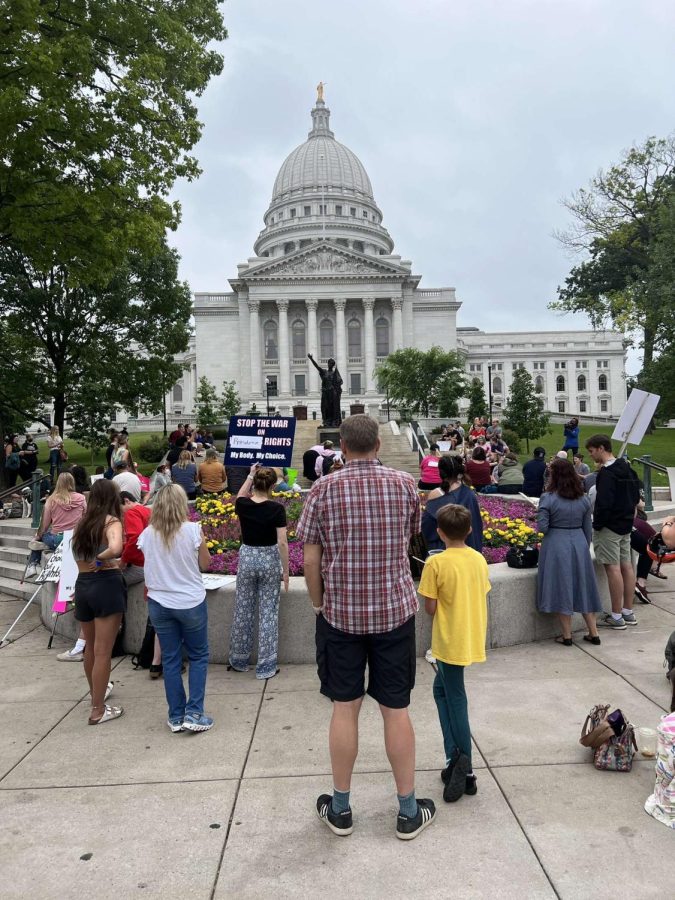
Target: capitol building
x=325 y=280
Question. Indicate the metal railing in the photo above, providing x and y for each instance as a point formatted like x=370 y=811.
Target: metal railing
x=34 y=485
x=418 y=439
x=647 y=466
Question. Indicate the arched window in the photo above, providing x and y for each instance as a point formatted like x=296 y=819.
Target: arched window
x=382 y=337
x=560 y=384
x=177 y=394
x=602 y=382
x=497 y=385
x=539 y=384
x=354 y=337
x=326 y=339
x=358 y=245
x=270 y=336
x=581 y=383
x=299 y=342
x=289 y=247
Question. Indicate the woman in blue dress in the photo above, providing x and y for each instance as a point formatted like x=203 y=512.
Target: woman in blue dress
x=453 y=489
x=566 y=580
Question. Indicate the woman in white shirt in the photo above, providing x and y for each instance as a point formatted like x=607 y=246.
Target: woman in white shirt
x=55 y=444
x=175 y=554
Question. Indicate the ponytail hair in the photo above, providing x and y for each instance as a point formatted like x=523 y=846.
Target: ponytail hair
x=451 y=468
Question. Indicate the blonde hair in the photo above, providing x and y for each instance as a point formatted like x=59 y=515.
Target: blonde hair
x=184 y=459
x=65 y=486
x=54 y=431
x=169 y=511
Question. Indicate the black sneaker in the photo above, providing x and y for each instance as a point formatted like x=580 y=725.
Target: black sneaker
x=408 y=827
x=455 y=785
x=339 y=823
x=471 y=787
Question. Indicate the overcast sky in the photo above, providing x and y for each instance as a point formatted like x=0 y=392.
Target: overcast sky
x=473 y=119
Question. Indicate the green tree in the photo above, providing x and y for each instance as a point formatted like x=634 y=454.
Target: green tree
x=97 y=121
x=207 y=404
x=524 y=411
x=421 y=380
x=123 y=333
x=229 y=402
x=624 y=225
x=90 y=417
x=477 y=403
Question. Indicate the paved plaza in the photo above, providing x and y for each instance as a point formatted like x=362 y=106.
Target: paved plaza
x=128 y=809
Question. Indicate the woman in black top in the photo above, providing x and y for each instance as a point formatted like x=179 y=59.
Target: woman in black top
x=263 y=563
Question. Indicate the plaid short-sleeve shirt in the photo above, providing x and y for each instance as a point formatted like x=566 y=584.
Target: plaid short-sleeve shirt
x=364 y=516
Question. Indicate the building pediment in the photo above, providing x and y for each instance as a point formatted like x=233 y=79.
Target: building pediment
x=327 y=260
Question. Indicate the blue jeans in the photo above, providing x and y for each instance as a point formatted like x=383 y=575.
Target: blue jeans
x=453 y=711
x=178 y=628
x=54 y=464
x=51 y=540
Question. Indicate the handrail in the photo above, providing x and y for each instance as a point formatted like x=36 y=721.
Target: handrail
x=415 y=431
x=34 y=484
x=647 y=466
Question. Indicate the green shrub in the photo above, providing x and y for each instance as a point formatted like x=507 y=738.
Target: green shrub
x=511 y=440
x=153 y=449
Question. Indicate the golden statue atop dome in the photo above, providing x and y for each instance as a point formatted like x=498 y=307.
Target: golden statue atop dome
x=319 y=92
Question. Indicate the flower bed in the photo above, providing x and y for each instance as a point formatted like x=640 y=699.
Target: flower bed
x=506 y=523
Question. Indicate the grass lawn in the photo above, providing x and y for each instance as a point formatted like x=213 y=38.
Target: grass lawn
x=660 y=446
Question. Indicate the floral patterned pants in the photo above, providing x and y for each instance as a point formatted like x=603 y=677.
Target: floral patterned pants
x=258 y=580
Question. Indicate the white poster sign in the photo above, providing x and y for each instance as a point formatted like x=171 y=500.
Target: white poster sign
x=212 y=582
x=66 y=587
x=636 y=416
x=52 y=570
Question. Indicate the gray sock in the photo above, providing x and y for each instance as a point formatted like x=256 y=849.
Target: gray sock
x=340 y=801
x=407 y=805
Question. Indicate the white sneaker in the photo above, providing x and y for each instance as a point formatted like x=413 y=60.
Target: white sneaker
x=429 y=656
x=72 y=655
x=31 y=571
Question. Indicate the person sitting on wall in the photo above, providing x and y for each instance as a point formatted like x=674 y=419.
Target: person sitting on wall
x=534 y=471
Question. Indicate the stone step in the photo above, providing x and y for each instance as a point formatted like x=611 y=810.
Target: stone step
x=12 y=570
x=10 y=587
x=14 y=526
x=13 y=554
x=14 y=541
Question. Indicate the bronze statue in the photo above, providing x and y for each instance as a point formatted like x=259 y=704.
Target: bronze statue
x=331 y=392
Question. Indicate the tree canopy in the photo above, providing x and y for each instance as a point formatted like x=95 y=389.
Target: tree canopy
x=477 y=403
x=421 y=380
x=524 y=411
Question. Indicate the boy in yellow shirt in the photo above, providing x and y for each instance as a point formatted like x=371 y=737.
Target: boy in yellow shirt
x=455 y=585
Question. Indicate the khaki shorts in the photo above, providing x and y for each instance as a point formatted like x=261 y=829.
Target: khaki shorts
x=611 y=549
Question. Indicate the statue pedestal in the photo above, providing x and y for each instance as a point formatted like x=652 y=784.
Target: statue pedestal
x=328 y=433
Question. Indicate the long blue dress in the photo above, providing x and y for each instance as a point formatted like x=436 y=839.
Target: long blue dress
x=463 y=496
x=566 y=579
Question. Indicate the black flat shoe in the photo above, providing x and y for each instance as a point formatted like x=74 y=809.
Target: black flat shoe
x=593 y=639
x=566 y=642
x=156 y=672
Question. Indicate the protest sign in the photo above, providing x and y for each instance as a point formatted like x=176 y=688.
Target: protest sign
x=66 y=588
x=268 y=441
x=213 y=581
x=635 y=418
x=52 y=570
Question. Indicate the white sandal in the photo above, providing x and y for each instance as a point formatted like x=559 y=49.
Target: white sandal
x=109 y=713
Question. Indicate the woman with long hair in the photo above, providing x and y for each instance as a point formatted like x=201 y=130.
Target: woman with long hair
x=175 y=554
x=566 y=580
x=211 y=474
x=55 y=444
x=100 y=591
x=63 y=510
x=263 y=562
x=122 y=452
x=184 y=473
x=454 y=488
x=479 y=469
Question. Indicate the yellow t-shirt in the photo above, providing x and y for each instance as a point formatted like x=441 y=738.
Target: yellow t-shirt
x=458 y=580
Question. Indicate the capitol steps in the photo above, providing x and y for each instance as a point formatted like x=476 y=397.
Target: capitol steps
x=14 y=537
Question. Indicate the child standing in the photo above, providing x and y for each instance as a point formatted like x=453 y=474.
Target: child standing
x=455 y=585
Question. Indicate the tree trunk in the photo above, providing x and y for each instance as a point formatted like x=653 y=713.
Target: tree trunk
x=59 y=411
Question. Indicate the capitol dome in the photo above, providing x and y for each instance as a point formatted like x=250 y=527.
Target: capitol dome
x=322 y=192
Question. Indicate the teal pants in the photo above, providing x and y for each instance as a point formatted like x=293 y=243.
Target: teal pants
x=453 y=711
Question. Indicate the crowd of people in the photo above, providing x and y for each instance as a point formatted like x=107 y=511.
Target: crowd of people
x=356 y=527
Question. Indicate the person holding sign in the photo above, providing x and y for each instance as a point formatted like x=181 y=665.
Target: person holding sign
x=100 y=591
x=263 y=561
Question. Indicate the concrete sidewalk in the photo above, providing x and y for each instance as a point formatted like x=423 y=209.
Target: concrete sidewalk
x=130 y=810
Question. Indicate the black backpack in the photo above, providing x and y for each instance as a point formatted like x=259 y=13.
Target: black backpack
x=143 y=659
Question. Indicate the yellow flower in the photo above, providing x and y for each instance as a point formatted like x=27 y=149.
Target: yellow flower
x=220 y=552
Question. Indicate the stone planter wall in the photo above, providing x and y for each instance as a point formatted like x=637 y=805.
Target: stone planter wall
x=512 y=616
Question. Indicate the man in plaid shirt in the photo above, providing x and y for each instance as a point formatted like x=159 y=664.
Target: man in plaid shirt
x=356 y=527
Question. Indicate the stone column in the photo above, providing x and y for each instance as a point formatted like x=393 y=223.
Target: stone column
x=254 y=334
x=312 y=305
x=284 y=357
x=397 y=305
x=368 y=307
x=341 y=339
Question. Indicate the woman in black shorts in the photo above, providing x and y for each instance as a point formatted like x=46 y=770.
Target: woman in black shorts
x=100 y=590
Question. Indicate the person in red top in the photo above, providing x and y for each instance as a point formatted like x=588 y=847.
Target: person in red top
x=479 y=469
x=477 y=430
x=429 y=475
x=356 y=527
x=136 y=520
